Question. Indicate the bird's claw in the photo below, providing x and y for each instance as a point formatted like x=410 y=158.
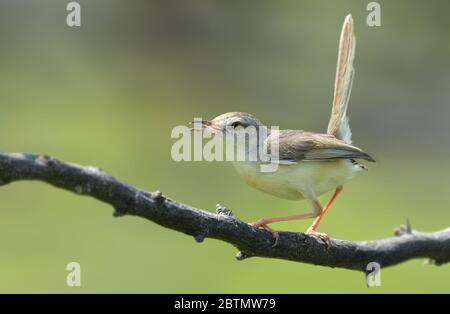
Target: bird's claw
x=261 y=224
x=258 y=223
x=319 y=235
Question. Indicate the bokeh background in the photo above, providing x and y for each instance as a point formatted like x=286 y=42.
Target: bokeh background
x=109 y=93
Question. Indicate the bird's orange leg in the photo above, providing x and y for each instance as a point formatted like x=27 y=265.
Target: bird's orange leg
x=266 y=221
x=263 y=223
x=312 y=230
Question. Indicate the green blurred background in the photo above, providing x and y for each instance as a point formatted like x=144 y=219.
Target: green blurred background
x=109 y=93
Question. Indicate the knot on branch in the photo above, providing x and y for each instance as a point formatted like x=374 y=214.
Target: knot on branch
x=241 y=255
x=158 y=197
x=220 y=210
x=404 y=229
x=119 y=212
x=44 y=160
x=200 y=237
x=438 y=262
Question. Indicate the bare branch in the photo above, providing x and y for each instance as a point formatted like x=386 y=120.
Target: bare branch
x=128 y=200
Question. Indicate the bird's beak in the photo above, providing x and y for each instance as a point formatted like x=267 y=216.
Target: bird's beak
x=202 y=122
x=206 y=124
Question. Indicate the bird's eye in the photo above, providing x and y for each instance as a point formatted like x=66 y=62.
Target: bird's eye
x=236 y=124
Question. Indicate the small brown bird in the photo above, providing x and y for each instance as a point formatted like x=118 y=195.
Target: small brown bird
x=310 y=164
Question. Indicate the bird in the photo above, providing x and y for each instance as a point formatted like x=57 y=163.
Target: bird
x=310 y=164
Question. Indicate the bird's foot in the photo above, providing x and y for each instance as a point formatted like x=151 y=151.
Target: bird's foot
x=259 y=223
x=319 y=235
x=262 y=223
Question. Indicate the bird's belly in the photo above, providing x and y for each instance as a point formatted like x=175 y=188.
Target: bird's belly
x=294 y=181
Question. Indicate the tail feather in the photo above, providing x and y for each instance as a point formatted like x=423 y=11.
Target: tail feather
x=339 y=122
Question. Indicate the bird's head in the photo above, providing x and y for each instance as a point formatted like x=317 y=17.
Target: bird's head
x=248 y=131
x=231 y=122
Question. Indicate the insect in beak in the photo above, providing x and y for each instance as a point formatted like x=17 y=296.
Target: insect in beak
x=206 y=124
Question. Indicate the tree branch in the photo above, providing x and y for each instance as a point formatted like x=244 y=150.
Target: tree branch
x=128 y=200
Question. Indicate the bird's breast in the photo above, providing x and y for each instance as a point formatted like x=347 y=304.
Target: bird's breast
x=296 y=180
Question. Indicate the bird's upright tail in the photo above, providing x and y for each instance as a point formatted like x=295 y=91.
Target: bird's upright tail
x=339 y=122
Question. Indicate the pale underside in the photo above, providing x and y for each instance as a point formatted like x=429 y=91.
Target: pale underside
x=305 y=179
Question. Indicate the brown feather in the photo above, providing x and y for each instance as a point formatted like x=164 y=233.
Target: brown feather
x=296 y=145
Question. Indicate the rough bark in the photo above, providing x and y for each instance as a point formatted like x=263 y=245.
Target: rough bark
x=222 y=225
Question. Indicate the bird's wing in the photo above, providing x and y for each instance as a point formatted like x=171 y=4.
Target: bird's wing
x=339 y=123
x=294 y=145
